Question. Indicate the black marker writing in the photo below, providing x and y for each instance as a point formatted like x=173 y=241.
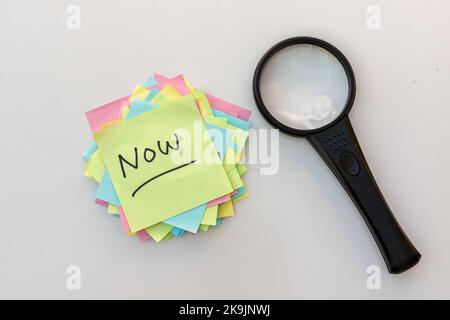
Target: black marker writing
x=149 y=154
x=122 y=160
x=159 y=175
x=169 y=146
x=146 y=151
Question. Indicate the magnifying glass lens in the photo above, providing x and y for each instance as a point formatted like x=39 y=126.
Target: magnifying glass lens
x=304 y=87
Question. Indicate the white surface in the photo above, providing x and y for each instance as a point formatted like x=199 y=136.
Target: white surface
x=298 y=235
x=304 y=87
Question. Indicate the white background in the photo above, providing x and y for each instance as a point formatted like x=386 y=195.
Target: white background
x=298 y=235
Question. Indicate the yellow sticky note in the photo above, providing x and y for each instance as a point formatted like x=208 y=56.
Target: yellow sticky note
x=189 y=85
x=87 y=173
x=225 y=210
x=139 y=93
x=167 y=94
x=155 y=166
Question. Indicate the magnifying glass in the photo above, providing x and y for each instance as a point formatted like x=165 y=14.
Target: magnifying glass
x=306 y=87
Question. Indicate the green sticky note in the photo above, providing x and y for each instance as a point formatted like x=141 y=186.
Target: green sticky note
x=168 y=236
x=158 y=164
x=112 y=209
x=210 y=216
x=95 y=167
x=241 y=168
x=159 y=231
x=235 y=178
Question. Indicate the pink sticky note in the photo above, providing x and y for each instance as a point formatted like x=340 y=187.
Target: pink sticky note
x=123 y=220
x=220 y=200
x=105 y=113
x=228 y=107
x=177 y=82
x=142 y=235
x=180 y=85
x=101 y=202
x=111 y=111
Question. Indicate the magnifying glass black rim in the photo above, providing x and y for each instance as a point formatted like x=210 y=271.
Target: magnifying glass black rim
x=294 y=41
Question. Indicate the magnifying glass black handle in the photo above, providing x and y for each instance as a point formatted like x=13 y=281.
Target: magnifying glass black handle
x=340 y=149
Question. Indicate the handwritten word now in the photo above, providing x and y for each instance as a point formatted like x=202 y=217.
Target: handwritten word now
x=149 y=154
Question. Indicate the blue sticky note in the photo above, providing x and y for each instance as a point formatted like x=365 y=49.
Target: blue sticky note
x=138 y=107
x=87 y=154
x=189 y=220
x=177 y=232
x=150 y=82
x=239 y=193
x=220 y=137
x=106 y=191
x=151 y=94
x=240 y=123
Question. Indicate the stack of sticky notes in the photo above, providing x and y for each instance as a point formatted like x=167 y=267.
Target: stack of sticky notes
x=168 y=158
